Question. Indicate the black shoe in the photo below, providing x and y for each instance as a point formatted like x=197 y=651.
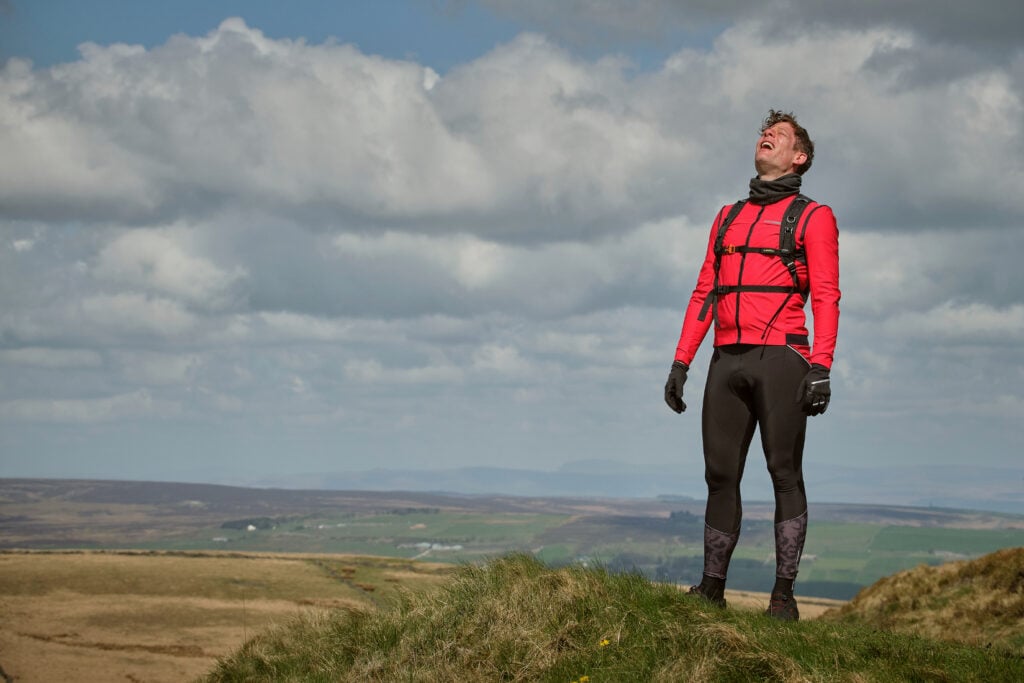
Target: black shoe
x=717 y=601
x=782 y=606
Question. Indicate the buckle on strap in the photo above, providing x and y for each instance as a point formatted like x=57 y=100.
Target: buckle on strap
x=729 y=249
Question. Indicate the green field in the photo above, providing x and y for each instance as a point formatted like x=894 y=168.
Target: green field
x=839 y=558
x=848 y=546
x=441 y=536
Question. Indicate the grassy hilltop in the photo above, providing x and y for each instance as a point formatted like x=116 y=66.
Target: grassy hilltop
x=515 y=619
x=172 y=581
x=155 y=616
x=979 y=602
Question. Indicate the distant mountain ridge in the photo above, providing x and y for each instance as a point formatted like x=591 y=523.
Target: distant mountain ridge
x=960 y=487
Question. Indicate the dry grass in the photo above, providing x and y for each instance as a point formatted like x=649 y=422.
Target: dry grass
x=95 y=616
x=514 y=619
x=167 y=617
x=978 y=602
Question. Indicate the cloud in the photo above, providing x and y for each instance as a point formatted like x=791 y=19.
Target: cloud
x=985 y=25
x=138 y=404
x=158 y=261
x=129 y=314
x=258 y=234
x=314 y=180
x=51 y=358
x=149 y=368
x=373 y=372
x=527 y=143
x=974 y=323
x=199 y=123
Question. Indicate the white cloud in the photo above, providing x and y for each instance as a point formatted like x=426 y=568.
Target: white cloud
x=49 y=154
x=526 y=142
x=232 y=116
x=158 y=369
x=295 y=234
x=291 y=326
x=983 y=25
x=137 y=404
x=501 y=359
x=374 y=372
x=132 y=314
x=160 y=261
x=558 y=133
x=951 y=322
x=51 y=358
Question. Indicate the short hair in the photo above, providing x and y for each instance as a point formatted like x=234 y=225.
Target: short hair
x=803 y=141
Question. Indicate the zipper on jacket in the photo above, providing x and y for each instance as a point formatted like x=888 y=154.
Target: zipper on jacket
x=739 y=275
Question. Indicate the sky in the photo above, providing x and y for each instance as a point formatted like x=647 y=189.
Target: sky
x=253 y=241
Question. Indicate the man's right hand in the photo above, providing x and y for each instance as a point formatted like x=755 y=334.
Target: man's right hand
x=674 y=386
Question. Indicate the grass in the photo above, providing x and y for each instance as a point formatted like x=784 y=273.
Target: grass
x=167 y=575
x=516 y=619
x=980 y=602
x=392 y=535
x=169 y=616
x=957 y=541
x=840 y=558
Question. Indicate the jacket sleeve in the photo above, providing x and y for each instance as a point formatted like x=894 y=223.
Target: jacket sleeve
x=821 y=244
x=695 y=330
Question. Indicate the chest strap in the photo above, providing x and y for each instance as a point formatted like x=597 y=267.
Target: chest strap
x=786 y=251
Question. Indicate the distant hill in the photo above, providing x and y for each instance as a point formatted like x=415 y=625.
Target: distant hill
x=979 y=602
x=849 y=546
x=950 y=486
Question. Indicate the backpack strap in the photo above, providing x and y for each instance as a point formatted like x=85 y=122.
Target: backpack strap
x=787 y=251
x=787 y=235
x=722 y=228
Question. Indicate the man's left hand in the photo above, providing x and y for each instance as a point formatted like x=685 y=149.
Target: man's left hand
x=674 y=386
x=814 y=393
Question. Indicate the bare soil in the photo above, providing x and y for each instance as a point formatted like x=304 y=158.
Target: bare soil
x=810 y=608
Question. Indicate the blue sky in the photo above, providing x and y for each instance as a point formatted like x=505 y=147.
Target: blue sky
x=437 y=33
x=265 y=243
x=49 y=32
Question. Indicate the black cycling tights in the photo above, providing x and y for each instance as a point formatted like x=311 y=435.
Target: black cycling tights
x=750 y=386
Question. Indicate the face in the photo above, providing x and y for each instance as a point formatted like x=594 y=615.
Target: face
x=776 y=154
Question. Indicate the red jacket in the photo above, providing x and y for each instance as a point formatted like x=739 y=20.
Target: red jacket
x=746 y=317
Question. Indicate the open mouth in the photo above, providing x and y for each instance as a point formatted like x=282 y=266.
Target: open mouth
x=767 y=145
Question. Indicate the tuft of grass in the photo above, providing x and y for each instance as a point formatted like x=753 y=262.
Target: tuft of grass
x=978 y=602
x=515 y=619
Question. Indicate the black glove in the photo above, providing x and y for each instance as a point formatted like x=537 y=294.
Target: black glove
x=674 y=386
x=815 y=392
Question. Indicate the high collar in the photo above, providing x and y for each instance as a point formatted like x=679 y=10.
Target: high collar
x=770 y=191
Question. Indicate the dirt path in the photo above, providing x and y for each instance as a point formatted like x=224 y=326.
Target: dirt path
x=810 y=608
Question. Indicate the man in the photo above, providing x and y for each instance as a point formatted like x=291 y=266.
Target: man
x=764 y=371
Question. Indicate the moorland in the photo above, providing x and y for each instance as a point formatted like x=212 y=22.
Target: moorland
x=157 y=581
x=848 y=546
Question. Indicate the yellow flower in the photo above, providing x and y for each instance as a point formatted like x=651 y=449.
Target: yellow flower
x=584 y=679
x=605 y=642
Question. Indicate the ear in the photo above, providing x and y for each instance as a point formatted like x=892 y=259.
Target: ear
x=800 y=159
